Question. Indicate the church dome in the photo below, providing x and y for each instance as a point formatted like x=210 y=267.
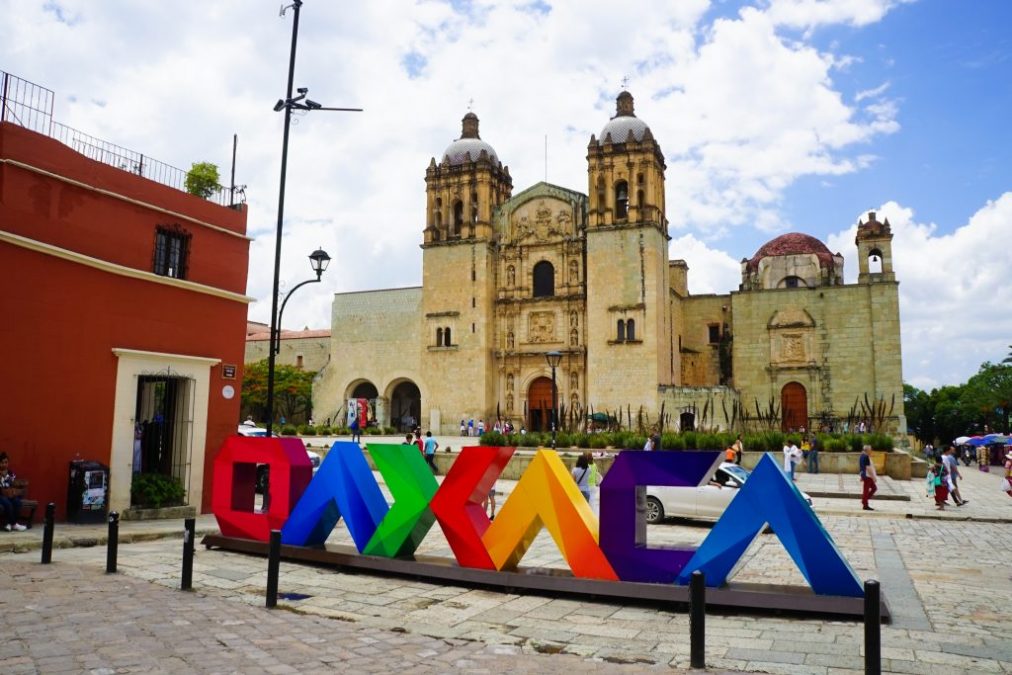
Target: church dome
x=624 y=121
x=468 y=147
x=792 y=243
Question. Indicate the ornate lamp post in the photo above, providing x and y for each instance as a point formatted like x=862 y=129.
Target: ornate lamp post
x=553 y=358
x=319 y=260
x=287 y=104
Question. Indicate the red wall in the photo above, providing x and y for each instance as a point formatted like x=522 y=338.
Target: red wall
x=60 y=320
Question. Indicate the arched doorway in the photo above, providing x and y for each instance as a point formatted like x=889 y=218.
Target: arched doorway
x=406 y=406
x=687 y=421
x=794 y=404
x=364 y=390
x=362 y=404
x=539 y=405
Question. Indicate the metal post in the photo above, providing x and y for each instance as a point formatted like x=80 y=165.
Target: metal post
x=872 y=628
x=186 y=582
x=275 y=327
x=273 y=566
x=555 y=406
x=697 y=620
x=47 y=534
x=112 y=546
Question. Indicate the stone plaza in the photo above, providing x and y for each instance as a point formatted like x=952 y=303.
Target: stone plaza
x=946 y=577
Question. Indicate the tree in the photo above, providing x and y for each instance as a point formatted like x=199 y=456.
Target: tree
x=989 y=394
x=293 y=390
x=202 y=179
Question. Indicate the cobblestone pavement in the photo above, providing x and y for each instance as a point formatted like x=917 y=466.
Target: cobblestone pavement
x=948 y=582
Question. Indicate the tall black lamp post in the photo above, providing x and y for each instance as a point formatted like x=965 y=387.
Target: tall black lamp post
x=288 y=104
x=554 y=358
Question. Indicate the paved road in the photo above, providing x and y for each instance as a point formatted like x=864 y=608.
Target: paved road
x=948 y=581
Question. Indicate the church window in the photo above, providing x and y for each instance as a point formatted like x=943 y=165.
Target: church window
x=446 y=337
x=621 y=331
x=474 y=207
x=714 y=330
x=172 y=248
x=298 y=361
x=621 y=199
x=439 y=337
x=639 y=198
x=630 y=330
x=639 y=179
x=458 y=217
x=437 y=217
x=794 y=282
x=544 y=280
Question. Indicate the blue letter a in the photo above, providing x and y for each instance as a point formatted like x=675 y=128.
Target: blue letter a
x=768 y=496
x=343 y=486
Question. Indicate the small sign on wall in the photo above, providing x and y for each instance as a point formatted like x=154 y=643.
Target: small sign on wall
x=228 y=371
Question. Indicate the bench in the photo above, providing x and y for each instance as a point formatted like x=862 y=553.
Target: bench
x=28 y=506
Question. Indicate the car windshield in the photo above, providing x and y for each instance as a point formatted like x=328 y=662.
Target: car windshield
x=736 y=471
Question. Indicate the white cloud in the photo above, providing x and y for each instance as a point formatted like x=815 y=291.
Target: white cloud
x=953 y=290
x=710 y=270
x=812 y=13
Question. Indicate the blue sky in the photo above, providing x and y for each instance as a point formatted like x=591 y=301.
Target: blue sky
x=774 y=116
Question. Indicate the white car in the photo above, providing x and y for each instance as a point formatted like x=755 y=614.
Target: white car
x=705 y=502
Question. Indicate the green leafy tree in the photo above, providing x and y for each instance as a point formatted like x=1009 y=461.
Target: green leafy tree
x=293 y=391
x=988 y=394
x=202 y=179
x=920 y=411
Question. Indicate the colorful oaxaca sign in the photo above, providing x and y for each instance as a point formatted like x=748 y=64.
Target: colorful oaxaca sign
x=306 y=509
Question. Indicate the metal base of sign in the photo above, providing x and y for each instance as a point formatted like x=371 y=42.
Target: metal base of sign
x=734 y=597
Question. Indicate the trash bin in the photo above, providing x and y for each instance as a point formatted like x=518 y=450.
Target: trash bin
x=87 y=492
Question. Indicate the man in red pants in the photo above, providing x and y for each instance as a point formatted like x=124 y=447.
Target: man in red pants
x=868 y=477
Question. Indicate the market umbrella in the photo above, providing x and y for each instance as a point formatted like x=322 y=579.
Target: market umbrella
x=961 y=440
x=996 y=439
x=976 y=441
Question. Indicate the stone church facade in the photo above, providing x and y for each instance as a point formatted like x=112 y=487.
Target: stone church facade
x=507 y=278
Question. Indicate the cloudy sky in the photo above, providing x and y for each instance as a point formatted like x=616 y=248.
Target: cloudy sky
x=774 y=116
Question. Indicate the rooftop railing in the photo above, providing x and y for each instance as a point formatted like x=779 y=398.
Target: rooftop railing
x=29 y=105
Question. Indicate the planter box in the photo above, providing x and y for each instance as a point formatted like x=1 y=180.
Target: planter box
x=164 y=513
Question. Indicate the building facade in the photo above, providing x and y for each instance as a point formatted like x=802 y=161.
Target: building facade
x=507 y=278
x=124 y=315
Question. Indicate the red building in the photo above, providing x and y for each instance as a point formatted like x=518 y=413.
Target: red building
x=123 y=310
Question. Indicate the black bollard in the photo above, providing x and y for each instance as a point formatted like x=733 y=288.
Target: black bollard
x=872 y=629
x=273 y=566
x=47 y=534
x=697 y=620
x=186 y=583
x=112 y=548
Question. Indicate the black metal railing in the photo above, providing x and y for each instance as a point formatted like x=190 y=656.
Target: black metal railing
x=29 y=105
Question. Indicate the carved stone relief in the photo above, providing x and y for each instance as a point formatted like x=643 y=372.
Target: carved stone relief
x=541 y=327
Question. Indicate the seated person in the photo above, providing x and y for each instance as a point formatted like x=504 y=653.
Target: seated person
x=11 y=491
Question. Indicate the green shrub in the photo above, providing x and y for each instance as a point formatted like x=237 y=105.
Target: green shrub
x=598 y=441
x=202 y=179
x=389 y=431
x=835 y=445
x=563 y=439
x=154 y=490
x=372 y=431
x=492 y=438
x=634 y=442
x=882 y=442
x=306 y=430
x=856 y=443
x=708 y=442
x=691 y=440
x=581 y=440
x=672 y=442
x=323 y=430
x=288 y=430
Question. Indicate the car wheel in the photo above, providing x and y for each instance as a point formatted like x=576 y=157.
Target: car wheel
x=655 y=512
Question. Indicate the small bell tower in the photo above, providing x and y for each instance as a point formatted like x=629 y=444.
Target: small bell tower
x=874 y=250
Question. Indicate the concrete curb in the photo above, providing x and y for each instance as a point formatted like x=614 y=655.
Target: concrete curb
x=85 y=539
x=857 y=495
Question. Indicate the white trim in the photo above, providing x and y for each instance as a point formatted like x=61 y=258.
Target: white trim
x=129 y=200
x=133 y=363
x=120 y=270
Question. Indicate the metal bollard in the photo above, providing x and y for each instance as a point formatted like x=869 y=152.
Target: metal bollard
x=112 y=547
x=872 y=629
x=273 y=566
x=697 y=620
x=47 y=534
x=186 y=583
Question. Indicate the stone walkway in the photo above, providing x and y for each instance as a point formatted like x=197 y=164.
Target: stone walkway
x=948 y=580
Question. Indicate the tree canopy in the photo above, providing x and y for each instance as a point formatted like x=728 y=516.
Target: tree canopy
x=982 y=404
x=202 y=179
x=293 y=390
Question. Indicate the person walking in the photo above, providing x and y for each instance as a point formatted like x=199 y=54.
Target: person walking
x=739 y=448
x=939 y=480
x=792 y=456
x=581 y=474
x=869 y=485
x=952 y=464
x=430 y=451
x=356 y=430
x=1007 y=485
x=813 y=455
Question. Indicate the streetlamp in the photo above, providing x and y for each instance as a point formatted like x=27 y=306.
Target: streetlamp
x=553 y=358
x=319 y=260
x=287 y=104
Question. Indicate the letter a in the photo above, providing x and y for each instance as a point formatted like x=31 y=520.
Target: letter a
x=547 y=496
